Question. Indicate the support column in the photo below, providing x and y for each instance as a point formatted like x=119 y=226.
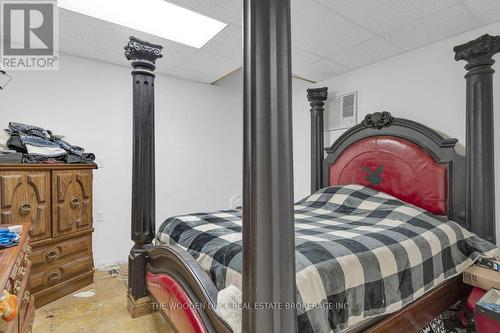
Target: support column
x=143 y=56
x=480 y=180
x=317 y=98
x=268 y=222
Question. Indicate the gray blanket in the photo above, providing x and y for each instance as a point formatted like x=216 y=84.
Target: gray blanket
x=359 y=253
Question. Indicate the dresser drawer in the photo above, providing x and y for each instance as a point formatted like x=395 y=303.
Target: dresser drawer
x=57 y=274
x=22 y=264
x=71 y=201
x=59 y=253
x=25 y=198
x=24 y=295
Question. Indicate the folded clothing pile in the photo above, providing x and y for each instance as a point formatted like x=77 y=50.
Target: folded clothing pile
x=9 y=237
x=7 y=155
x=32 y=144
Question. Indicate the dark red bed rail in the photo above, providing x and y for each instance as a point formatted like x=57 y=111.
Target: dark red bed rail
x=174 y=302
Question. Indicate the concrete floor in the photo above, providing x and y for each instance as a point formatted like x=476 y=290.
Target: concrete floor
x=101 y=308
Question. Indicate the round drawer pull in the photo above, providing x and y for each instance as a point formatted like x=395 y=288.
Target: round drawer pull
x=25 y=208
x=51 y=255
x=75 y=202
x=53 y=276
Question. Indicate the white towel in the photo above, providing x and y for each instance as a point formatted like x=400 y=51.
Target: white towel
x=229 y=302
x=45 y=151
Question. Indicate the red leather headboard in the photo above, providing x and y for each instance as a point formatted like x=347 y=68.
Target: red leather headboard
x=395 y=166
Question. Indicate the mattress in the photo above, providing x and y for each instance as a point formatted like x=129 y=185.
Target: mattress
x=359 y=253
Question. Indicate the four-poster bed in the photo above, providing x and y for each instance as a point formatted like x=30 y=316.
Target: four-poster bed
x=400 y=157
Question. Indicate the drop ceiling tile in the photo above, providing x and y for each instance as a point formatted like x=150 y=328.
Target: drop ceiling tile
x=384 y=15
x=113 y=37
x=89 y=30
x=443 y=24
x=366 y=53
x=176 y=54
x=321 y=32
x=317 y=32
x=187 y=74
x=166 y=69
x=115 y=57
x=301 y=59
x=488 y=11
x=321 y=70
x=227 y=43
x=209 y=63
x=227 y=11
x=93 y=52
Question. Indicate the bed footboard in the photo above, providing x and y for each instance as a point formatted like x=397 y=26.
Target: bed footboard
x=183 y=291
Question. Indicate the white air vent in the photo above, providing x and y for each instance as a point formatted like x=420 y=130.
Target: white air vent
x=341 y=111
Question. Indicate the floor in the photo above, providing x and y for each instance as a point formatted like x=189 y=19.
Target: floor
x=98 y=308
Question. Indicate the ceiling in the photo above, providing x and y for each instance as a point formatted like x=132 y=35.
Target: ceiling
x=329 y=37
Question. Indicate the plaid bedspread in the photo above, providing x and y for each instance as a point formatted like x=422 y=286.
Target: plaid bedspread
x=359 y=253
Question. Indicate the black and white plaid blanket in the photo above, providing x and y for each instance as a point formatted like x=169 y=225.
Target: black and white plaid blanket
x=359 y=253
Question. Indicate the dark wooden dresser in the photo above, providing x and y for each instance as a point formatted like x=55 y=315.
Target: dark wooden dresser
x=56 y=200
x=15 y=268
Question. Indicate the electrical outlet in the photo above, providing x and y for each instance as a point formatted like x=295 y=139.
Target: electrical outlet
x=99 y=217
x=100 y=163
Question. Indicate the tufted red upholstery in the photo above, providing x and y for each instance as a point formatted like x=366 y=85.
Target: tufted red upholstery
x=174 y=301
x=395 y=166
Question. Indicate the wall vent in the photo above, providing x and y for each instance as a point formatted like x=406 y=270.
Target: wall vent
x=341 y=112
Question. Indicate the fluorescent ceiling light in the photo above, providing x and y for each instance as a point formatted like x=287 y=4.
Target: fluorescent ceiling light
x=156 y=17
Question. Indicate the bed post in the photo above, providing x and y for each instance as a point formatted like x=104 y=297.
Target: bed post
x=268 y=224
x=143 y=56
x=317 y=98
x=480 y=182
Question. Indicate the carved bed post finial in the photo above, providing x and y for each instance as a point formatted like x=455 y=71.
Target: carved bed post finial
x=378 y=119
x=480 y=184
x=143 y=56
x=479 y=51
x=317 y=98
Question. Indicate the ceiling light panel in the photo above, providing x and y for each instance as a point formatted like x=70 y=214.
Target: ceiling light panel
x=156 y=17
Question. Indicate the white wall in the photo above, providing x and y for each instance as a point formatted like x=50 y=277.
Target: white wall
x=198 y=139
x=426 y=85
x=301 y=130
x=301 y=139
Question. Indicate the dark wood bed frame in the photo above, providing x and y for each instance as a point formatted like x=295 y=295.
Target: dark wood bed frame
x=169 y=279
